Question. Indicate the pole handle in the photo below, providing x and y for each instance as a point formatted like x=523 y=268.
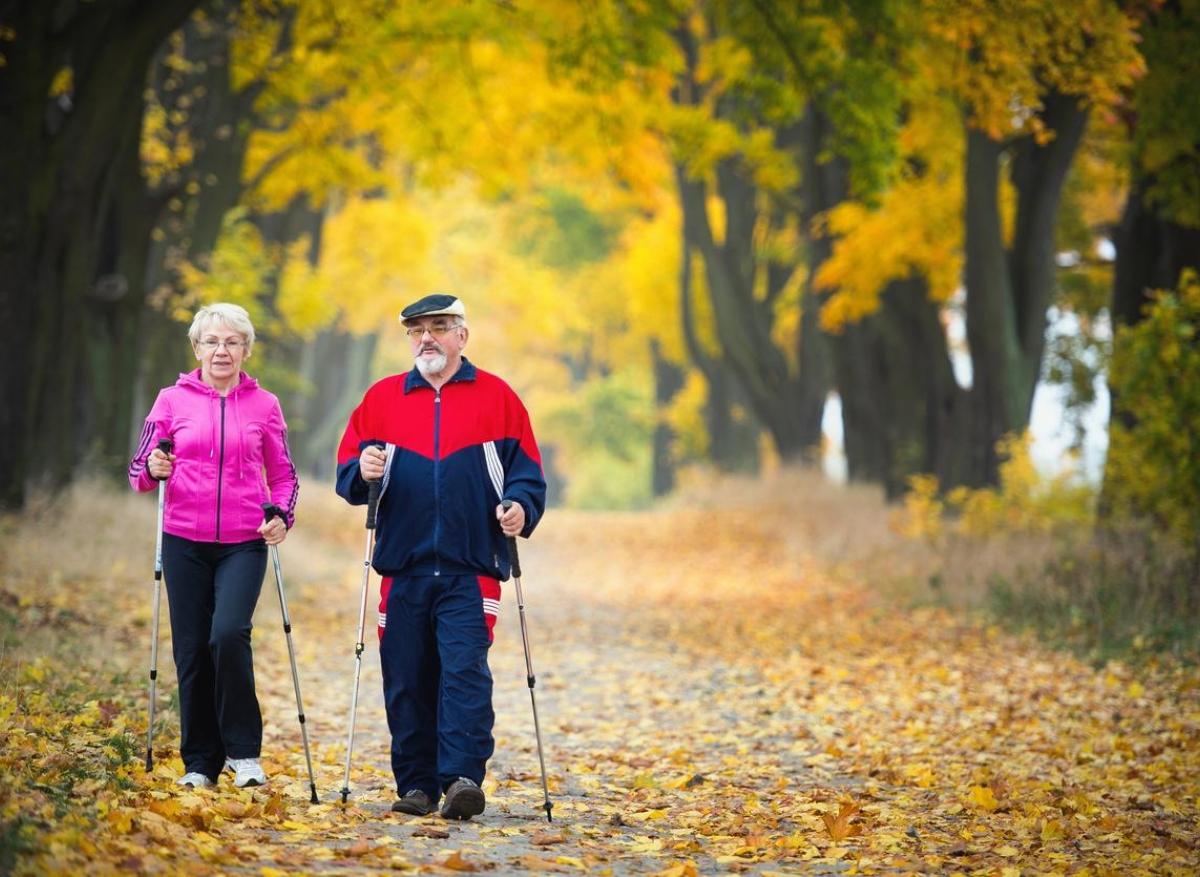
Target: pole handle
x=513 y=556
x=165 y=445
x=373 y=491
x=374 y=488
x=272 y=511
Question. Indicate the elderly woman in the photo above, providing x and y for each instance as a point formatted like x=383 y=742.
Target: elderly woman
x=229 y=456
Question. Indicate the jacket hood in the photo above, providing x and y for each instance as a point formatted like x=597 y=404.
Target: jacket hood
x=193 y=381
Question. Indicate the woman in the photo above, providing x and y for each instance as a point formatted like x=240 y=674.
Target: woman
x=225 y=432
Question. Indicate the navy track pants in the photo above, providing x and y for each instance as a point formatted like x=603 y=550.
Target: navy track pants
x=435 y=632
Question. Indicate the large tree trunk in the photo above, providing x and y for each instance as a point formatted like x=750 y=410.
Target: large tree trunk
x=902 y=407
x=1152 y=251
x=1009 y=290
x=730 y=424
x=743 y=323
x=218 y=128
x=59 y=158
x=668 y=381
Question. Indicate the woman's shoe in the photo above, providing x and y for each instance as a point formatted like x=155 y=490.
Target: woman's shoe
x=194 y=780
x=246 y=772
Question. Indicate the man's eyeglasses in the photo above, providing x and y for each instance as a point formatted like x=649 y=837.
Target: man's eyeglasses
x=233 y=345
x=437 y=330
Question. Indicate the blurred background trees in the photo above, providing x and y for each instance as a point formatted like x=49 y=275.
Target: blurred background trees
x=692 y=234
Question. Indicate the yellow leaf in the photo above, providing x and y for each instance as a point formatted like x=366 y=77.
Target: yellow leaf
x=983 y=798
x=533 y=863
x=1008 y=852
x=679 y=869
x=1052 y=830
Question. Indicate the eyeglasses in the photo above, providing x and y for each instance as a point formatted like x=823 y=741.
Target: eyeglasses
x=437 y=330
x=233 y=345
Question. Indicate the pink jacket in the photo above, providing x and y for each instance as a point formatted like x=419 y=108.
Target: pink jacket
x=231 y=456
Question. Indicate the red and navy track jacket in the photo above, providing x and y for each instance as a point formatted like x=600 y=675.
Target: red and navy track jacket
x=452 y=455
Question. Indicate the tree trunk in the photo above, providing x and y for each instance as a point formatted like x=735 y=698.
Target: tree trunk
x=732 y=430
x=1009 y=290
x=218 y=129
x=59 y=156
x=902 y=407
x=668 y=381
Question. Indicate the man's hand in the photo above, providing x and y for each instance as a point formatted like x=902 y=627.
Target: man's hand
x=371 y=463
x=512 y=522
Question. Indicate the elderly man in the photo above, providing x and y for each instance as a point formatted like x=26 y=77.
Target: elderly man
x=451 y=442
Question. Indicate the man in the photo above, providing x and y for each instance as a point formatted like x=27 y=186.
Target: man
x=450 y=442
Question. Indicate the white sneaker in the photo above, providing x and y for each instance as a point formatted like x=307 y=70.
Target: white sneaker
x=246 y=772
x=195 y=780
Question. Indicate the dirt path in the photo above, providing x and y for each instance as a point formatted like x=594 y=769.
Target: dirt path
x=613 y=702
x=714 y=698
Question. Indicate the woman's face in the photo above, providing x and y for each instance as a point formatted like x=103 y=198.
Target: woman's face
x=221 y=351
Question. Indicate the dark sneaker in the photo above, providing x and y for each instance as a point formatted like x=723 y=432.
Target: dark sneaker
x=414 y=803
x=463 y=800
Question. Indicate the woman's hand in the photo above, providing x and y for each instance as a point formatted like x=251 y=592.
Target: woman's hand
x=273 y=531
x=160 y=465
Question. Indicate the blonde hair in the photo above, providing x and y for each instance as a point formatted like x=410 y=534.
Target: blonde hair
x=233 y=316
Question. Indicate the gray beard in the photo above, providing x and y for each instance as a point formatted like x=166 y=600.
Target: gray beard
x=433 y=366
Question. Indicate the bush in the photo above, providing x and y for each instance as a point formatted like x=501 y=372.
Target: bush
x=1031 y=555
x=1153 y=469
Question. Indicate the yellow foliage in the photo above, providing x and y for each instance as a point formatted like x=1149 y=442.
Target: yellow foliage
x=303 y=301
x=915 y=229
x=1002 y=58
x=374 y=260
x=1025 y=501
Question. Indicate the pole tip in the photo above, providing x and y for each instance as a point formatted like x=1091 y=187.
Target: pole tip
x=548 y=807
x=314 y=799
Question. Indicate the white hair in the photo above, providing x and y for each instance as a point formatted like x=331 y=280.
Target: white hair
x=233 y=316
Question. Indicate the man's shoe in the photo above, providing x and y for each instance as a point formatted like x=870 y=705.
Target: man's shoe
x=246 y=772
x=194 y=780
x=463 y=800
x=414 y=803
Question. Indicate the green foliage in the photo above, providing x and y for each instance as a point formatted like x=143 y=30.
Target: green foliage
x=604 y=429
x=1153 y=467
x=561 y=231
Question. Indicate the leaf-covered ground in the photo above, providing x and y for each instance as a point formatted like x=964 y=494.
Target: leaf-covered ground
x=716 y=696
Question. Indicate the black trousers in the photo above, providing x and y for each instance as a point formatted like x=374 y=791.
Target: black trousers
x=212 y=589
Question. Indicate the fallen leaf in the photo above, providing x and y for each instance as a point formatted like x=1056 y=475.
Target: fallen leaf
x=533 y=863
x=456 y=862
x=431 y=831
x=839 y=826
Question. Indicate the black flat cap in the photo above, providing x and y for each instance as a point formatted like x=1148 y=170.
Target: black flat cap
x=433 y=306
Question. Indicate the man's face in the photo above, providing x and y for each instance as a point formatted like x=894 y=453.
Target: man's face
x=437 y=343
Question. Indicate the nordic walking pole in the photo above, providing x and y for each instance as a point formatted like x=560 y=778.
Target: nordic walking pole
x=164 y=445
x=529 y=677
x=273 y=511
x=372 y=506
